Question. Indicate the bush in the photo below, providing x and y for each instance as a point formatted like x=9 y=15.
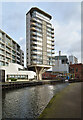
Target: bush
x=12 y=79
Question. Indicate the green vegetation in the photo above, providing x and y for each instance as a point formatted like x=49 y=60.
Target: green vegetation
x=22 y=78
x=12 y=79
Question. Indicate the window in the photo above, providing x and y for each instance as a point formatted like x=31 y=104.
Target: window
x=0 y=34
x=76 y=69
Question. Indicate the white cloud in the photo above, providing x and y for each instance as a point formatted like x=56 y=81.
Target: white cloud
x=68 y=38
x=23 y=47
x=21 y=39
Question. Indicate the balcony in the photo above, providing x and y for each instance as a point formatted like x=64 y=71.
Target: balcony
x=18 y=56
x=49 y=25
x=2 y=47
x=38 y=25
x=2 y=52
x=33 y=62
x=52 y=43
x=52 y=32
x=36 y=20
x=49 y=46
x=18 y=52
x=8 y=60
x=13 y=58
x=2 y=40
x=36 y=43
x=8 y=56
x=33 y=33
x=37 y=29
x=36 y=52
x=36 y=47
x=8 y=45
x=36 y=38
x=52 y=48
x=18 y=60
x=33 y=23
x=52 y=40
x=13 y=47
x=52 y=28
x=49 y=31
x=14 y=53
x=34 y=57
x=38 y=34
x=53 y=60
x=49 y=42
x=2 y=58
x=33 y=28
x=53 y=52
x=52 y=36
x=9 y=51
x=33 y=19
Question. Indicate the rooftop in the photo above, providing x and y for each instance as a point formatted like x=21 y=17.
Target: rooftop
x=9 y=36
x=60 y=57
x=37 y=9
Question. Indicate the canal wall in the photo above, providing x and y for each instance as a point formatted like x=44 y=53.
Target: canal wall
x=14 y=85
x=21 y=84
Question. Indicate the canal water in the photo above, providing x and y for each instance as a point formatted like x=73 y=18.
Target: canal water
x=28 y=102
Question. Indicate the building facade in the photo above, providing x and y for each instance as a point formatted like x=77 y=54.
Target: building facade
x=39 y=39
x=61 y=64
x=21 y=57
x=17 y=71
x=48 y=75
x=73 y=60
x=77 y=70
x=10 y=51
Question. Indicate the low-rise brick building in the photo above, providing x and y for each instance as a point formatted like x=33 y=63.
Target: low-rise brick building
x=77 y=70
x=48 y=75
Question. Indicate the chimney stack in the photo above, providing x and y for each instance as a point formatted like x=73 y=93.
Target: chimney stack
x=59 y=53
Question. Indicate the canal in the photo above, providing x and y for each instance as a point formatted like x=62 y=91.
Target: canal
x=28 y=102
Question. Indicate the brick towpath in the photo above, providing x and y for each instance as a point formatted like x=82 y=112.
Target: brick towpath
x=66 y=104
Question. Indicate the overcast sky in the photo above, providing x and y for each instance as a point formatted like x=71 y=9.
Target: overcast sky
x=66 y=19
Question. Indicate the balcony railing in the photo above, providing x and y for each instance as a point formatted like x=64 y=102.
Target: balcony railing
x=52 y=32
x=33 y=28
x=2 y=52
x=2 y=47
x=52 y=40
x=52 y=36
x=52 y=43
x=8 y=60
x=9 y=56
x=2 y=58
x=52 y=48
x=2 y=40
x=32 y=23
x=53 y=52
x=8 y=45
x=36 y=20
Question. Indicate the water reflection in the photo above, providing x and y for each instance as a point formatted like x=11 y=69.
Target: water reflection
x=28 y=102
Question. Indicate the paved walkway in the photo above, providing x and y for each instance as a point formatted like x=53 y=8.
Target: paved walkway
x=66 y=104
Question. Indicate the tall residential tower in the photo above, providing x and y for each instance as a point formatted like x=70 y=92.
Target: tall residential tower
x=39 y=41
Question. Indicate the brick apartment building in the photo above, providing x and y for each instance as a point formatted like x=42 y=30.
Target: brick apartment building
x=77 y=70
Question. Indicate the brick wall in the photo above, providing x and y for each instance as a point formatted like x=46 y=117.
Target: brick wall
x=77 y=69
